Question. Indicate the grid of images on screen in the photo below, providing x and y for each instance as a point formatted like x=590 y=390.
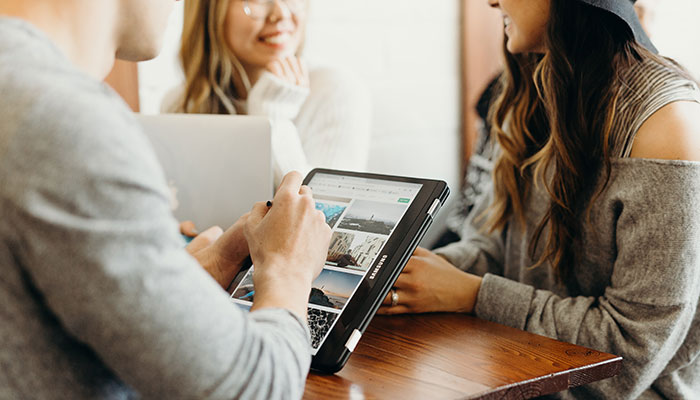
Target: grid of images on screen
x=360 y=227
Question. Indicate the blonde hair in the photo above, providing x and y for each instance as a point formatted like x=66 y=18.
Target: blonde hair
x=207 y=61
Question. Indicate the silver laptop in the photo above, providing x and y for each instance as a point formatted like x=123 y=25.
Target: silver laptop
x=217 y=166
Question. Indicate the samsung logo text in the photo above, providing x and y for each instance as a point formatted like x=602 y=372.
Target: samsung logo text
x=378 y=267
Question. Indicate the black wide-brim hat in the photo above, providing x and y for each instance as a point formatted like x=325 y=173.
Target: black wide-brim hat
x=624 y=9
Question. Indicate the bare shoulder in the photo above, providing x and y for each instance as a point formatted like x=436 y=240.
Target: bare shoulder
x=672 y=133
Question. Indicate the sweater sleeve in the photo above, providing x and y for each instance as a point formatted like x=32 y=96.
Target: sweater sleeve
x=172 y=100
x=478 y=252
x=100 y=245
x=281 y=101
x=328 y=126
x=645 y=312
x=335 y=122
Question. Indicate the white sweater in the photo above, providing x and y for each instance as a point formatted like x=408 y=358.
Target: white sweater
x=327 y=125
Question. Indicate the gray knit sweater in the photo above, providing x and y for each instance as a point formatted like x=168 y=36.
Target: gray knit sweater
x=638 y=268
x=98 y=297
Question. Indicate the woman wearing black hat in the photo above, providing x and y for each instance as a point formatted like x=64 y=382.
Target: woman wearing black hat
x=591 y=232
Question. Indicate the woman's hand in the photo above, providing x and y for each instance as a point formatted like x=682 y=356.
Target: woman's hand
x=290 y=69
x=429 y=283
x=280 y=90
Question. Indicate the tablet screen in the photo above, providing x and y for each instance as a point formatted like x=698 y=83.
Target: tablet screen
x=363 y=214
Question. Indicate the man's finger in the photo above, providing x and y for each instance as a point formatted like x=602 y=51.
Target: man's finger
x=242 y=220
x=305 y=191
x=188 y=228
x=257 y=213
x=291 y=182
x=204 y=239
x=212 y=234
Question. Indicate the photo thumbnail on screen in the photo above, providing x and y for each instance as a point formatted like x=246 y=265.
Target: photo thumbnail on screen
x=372 y=217
x=320 y=322
x=245 y=290
x=332 y=207
x=355 y=251
x=333 y=289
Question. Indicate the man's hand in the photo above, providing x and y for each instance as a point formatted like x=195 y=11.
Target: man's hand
x=288 y=244
x=220 y=253
x=201 y=241
x=188 y=228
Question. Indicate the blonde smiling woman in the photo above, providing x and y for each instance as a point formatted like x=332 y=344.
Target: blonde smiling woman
x=243 y=57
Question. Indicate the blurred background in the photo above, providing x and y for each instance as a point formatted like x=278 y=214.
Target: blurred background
x=425 y=63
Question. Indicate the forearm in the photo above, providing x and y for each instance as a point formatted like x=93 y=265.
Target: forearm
x=281 y=356
x=472 y=292
x=647 y=336
x=288 y=291
x=460 y=292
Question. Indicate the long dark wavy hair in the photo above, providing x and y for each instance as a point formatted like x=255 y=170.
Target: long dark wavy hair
x=553 y=122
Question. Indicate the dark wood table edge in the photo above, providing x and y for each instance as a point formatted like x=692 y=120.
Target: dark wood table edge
x=553 y=383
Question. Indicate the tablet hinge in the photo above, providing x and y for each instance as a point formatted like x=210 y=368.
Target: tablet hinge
x=353 y=340
x=434 y=208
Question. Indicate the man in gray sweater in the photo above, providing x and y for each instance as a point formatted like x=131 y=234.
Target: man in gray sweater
x=100 y=299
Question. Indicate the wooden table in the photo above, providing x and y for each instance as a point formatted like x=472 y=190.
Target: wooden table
x=448 y=356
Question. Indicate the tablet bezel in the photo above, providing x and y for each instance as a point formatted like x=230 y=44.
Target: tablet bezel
x=333 y=353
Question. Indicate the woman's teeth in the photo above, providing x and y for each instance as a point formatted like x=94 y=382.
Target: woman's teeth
x=277 y=39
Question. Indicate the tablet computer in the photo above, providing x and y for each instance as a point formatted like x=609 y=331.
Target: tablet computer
x=377 y=222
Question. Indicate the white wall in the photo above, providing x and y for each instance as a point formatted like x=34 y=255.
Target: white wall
x=676 y=31
x=407 y=51
x=158 y=76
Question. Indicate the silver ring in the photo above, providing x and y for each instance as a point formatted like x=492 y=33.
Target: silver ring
x=394 y=297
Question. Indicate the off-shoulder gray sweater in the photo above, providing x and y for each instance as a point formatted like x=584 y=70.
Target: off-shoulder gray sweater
x=98 y=298
x=638 y=270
